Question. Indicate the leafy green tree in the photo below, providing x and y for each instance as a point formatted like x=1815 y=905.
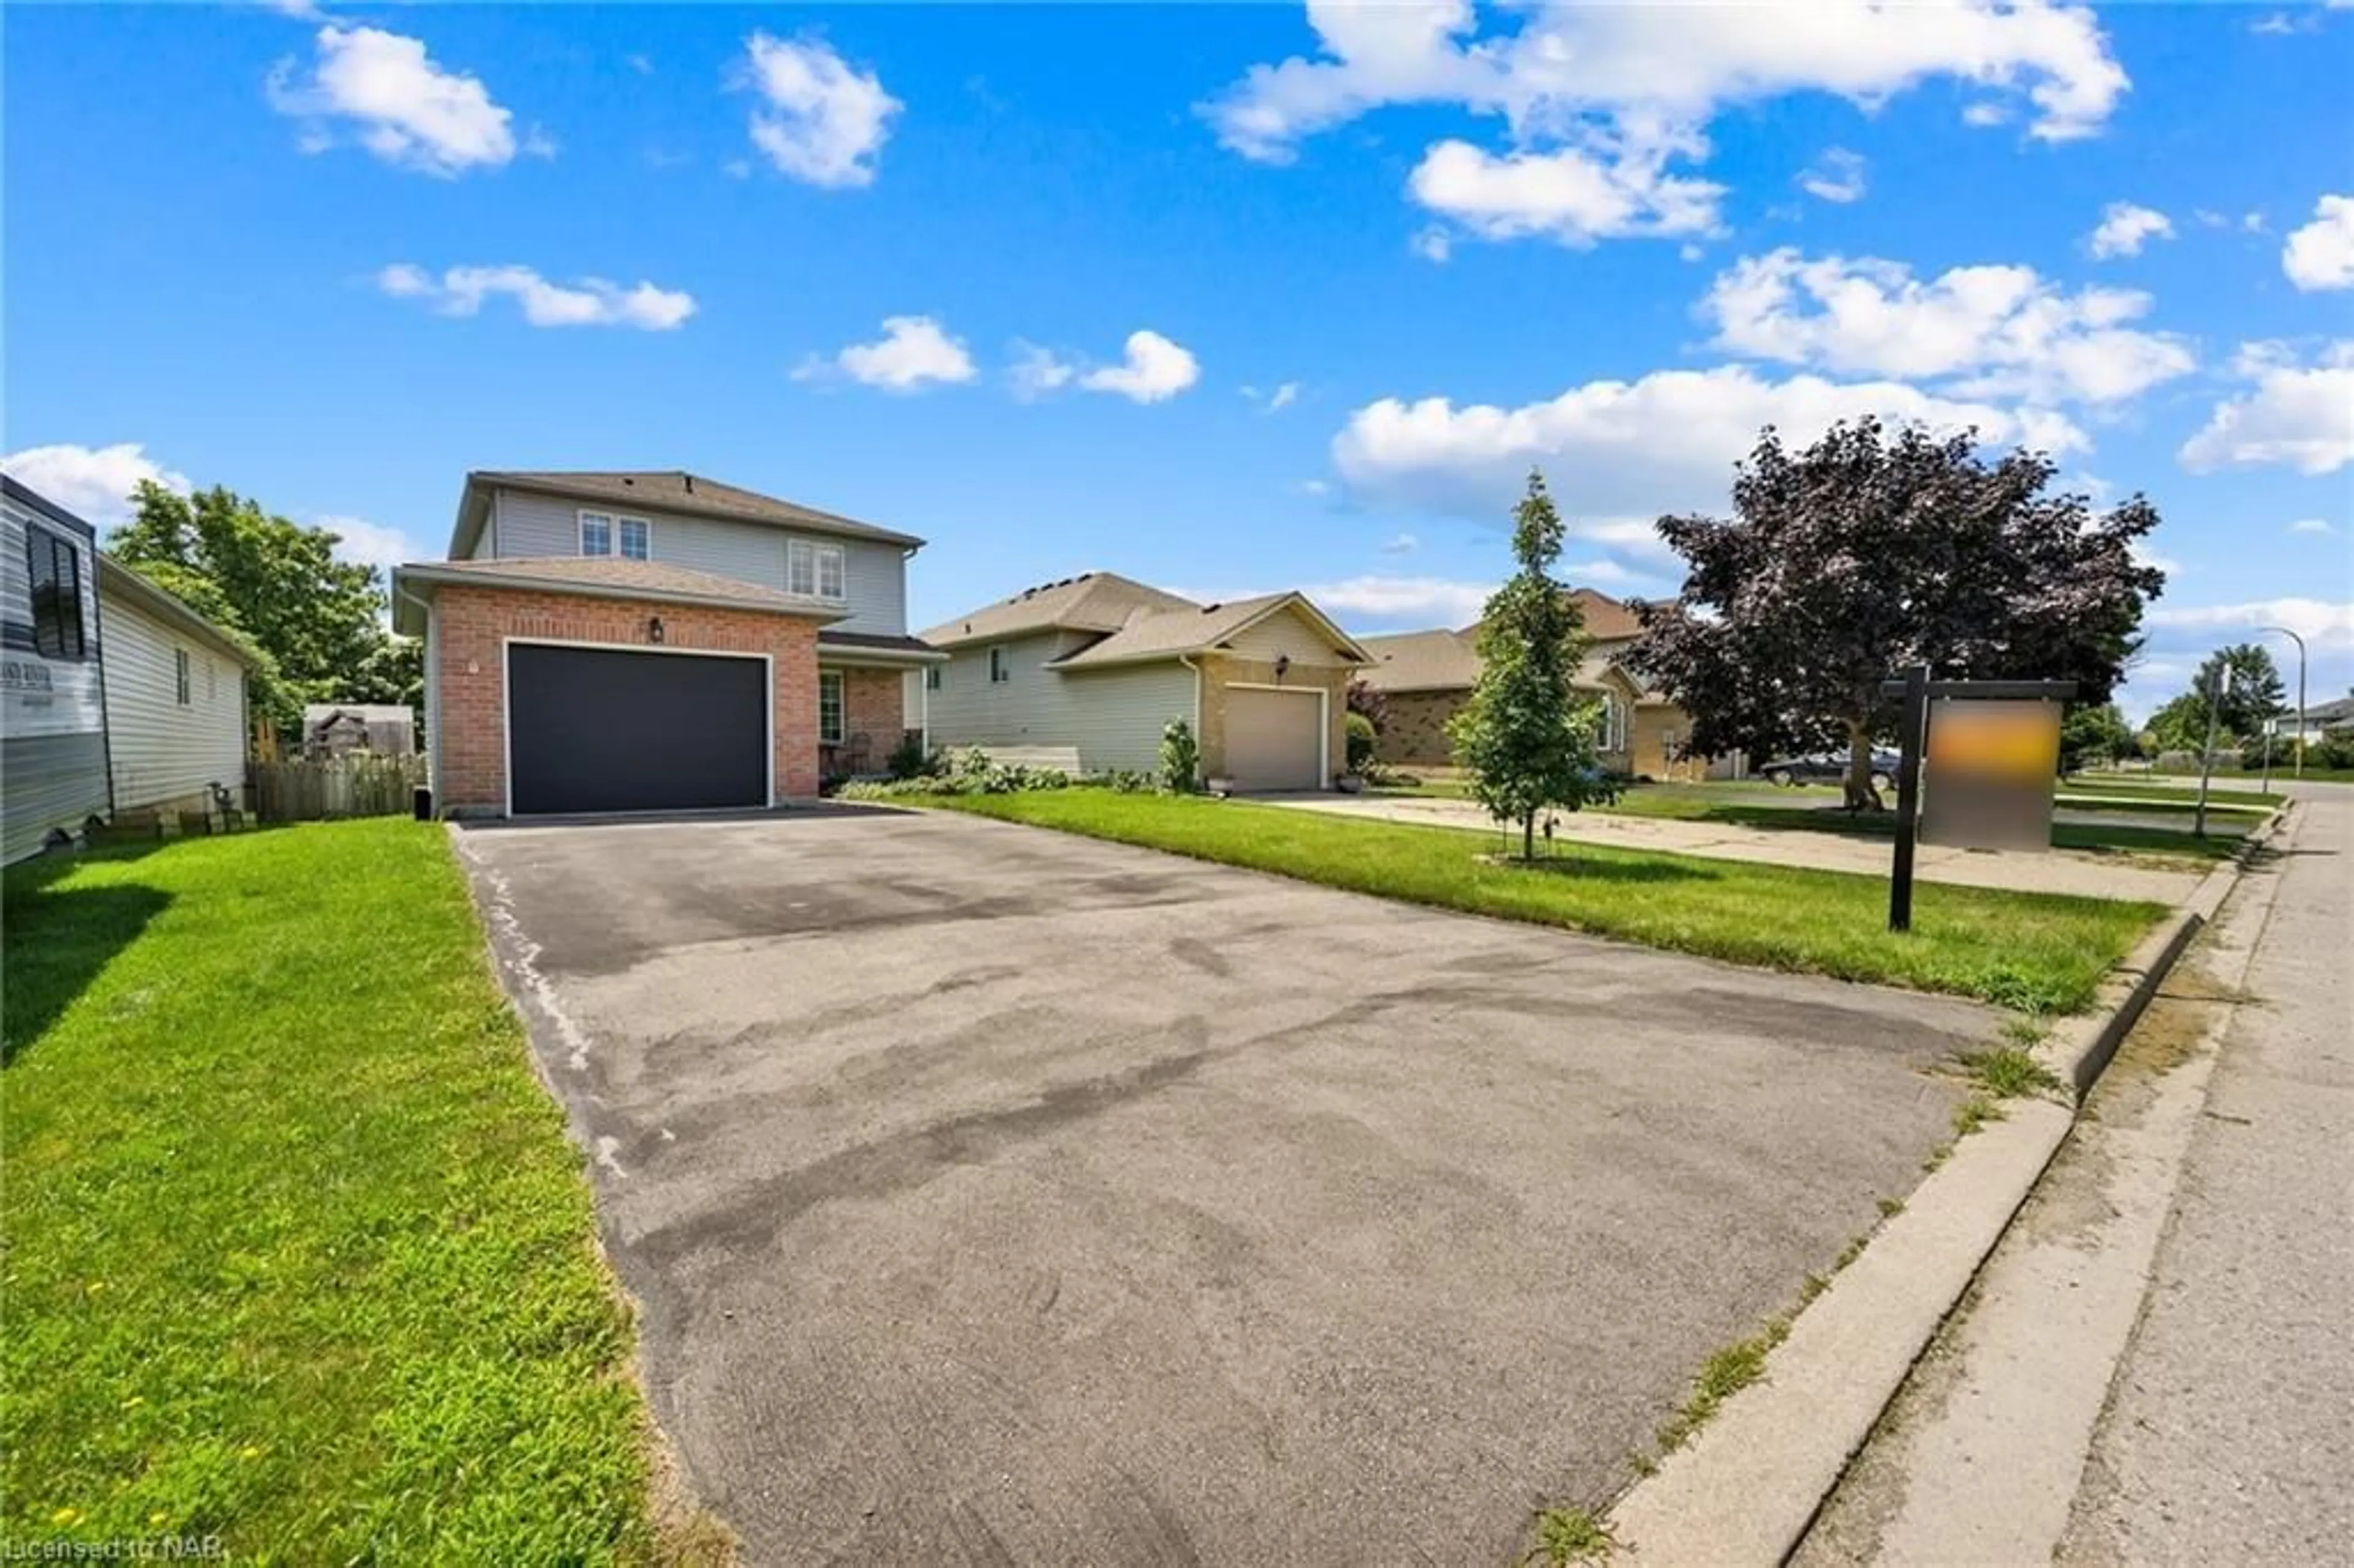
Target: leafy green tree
x=1865 y=553
x=2257 y=693
x=1525 y=737
x=2094 y=732
x=318 y=619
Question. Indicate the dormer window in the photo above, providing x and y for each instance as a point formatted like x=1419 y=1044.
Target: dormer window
x=603 y=533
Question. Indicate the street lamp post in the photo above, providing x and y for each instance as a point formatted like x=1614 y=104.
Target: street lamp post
x=2293 y=637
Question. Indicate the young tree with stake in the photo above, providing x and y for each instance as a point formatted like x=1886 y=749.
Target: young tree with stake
x=1526 y=739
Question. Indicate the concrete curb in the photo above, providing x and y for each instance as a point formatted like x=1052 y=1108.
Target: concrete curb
x=2080 y=1048
x=1747 y=1489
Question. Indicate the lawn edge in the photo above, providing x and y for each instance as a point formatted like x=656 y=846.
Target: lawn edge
x=682 y=1530
x=1749 y=1486
x=1584 y=932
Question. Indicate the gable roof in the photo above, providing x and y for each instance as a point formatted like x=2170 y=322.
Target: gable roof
x=602 y=577
x=664 y=489
x=1606 y=620
x=1199 y=629
x=1422 y=661
x=1092 y=601
x=1444 y=661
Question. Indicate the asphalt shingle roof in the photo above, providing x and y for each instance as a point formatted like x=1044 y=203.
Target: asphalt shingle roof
x=616 y=577
x=674 y=490
x=1092 y=601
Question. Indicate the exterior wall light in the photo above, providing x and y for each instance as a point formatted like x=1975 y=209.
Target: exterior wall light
x=653 y=628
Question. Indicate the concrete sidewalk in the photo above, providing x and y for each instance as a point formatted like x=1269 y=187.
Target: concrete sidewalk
x=2153 y=1367
x=2014 y=872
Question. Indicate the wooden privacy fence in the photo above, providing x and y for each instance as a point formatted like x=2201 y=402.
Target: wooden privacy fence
x=354 y=785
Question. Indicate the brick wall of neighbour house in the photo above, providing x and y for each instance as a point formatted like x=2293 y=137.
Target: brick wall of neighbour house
x=473 y=624
x=874 y=705
x=1219 y=671
x=1413 y=729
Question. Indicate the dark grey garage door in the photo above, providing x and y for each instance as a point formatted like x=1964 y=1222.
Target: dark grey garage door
x=597 y=729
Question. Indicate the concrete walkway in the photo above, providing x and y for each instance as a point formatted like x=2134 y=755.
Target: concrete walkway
x=2010 y=870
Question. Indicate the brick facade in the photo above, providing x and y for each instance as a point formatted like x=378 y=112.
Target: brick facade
x=874 y=704
x=1219 y=671
x=1413 y=729
x=469 y=697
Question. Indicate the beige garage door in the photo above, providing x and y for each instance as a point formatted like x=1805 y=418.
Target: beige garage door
x=1275 y=740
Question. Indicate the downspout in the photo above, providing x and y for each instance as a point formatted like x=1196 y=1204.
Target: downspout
x=1200 y=762
x=432 y=683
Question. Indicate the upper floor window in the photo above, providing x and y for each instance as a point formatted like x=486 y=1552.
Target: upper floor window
x=1001 y=668
x=603 y=533
x=932 y=678
x=53 y=570
x=814 y=570
x=180 y=676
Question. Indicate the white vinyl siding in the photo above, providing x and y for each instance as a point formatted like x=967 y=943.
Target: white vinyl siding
x=175 y=710
x=873 y=575
x=1285 y=635
x=1113 y=716
x=52 y=719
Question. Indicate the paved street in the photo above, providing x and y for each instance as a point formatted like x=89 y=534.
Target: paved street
x=996 y=1195
x=2154 y=1367
x=2083 y=875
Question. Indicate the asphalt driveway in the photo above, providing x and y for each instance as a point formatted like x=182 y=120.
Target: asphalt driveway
x=995 y=1195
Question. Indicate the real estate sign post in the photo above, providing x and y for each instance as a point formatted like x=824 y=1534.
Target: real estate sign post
x=1992 y=749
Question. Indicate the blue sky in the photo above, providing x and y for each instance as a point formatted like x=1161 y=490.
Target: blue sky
x=1226 y=298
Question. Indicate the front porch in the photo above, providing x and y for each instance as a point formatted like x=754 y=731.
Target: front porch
x=870 y=703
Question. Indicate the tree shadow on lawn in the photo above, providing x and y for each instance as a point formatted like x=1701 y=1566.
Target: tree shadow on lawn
x=58 y=941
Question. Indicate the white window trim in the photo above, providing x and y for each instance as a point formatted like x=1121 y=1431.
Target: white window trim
x=184 y=682
x=612 y=535
x=645 y=523
x=816 y=553
x=840 y=708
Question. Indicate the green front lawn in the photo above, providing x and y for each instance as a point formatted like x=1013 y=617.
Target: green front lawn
x=2139 y=794
x=2027 y=951
x=1712 y=803
x=298 y=1253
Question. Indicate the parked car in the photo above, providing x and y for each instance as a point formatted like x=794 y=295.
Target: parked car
x=1826 y=768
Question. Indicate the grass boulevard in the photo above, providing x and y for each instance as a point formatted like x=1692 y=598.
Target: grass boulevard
x=2037 y=953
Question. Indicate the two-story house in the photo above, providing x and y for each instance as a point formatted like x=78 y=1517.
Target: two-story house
x=649 y=641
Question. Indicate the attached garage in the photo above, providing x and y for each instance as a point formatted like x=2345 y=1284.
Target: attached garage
x=609 y=729
x=1275 y=737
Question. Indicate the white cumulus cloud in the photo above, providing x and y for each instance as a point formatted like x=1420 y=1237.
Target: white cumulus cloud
x=1629 y=451
x=384 y=90
x=914 y=352
x=94 y=483
x=821 y=120
x=1598 y=100
x=2324 y=623
x=1154 y=370
x=1992 y=330
x=1574 y=195
x=2296 y=413
x=2321 y=254
x=2311 y=525
x=368 y=544
x=586 y=302
x=2125 y=228
x=1836 y=176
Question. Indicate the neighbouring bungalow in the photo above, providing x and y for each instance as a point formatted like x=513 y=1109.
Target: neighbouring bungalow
x=1425 y=678
x=1089 y=669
